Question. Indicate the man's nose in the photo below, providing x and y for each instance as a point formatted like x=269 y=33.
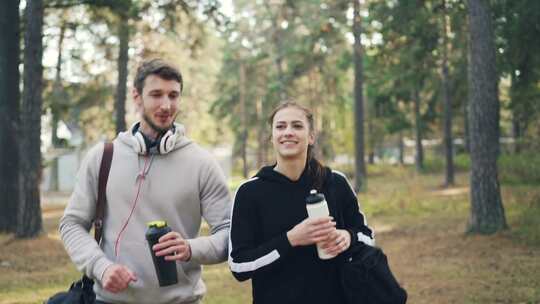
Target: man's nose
x=166 y=104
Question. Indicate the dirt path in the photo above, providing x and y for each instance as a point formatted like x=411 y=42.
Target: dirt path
x=437 y=263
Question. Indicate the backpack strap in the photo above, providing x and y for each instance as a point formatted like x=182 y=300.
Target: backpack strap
x=104 y=169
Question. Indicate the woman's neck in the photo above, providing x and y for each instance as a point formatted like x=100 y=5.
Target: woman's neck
x=291 y=168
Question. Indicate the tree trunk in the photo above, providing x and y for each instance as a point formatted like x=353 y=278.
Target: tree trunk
x=371 y=136
x=487 y=211
x=261 y=138
x=516 y=123
x=401 y=148
x=243 y=119
x=516 y=132
x=448 y=141
x=29 y=222
x=58 y=100
x=467 y=131
x=9 y=113
x=278 y=48
x=360 y=167
x=419 y=155
x=120 y=97
x=325 y=139
x=54 y=184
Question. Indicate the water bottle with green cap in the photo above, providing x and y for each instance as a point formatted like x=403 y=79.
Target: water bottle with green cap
x=165 y=270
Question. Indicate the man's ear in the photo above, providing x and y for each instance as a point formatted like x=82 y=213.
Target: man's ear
x=136 y=98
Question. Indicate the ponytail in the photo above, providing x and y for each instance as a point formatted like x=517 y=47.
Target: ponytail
x=315 y=169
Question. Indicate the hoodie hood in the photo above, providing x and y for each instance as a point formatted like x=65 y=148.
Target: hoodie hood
x=128 y=138
x=269 y=174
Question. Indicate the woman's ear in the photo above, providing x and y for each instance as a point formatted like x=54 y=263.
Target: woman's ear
x=311 y=138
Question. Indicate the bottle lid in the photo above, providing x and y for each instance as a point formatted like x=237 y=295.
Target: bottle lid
x=157 y=224
x=314 y=197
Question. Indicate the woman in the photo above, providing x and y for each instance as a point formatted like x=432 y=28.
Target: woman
x=272 y=241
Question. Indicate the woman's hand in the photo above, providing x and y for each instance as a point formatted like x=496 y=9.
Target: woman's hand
x=336 y=243
x=311 y=231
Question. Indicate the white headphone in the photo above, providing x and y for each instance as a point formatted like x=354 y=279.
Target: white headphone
x=166 y=142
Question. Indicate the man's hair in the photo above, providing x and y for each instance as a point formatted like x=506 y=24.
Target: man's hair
x=158 y=67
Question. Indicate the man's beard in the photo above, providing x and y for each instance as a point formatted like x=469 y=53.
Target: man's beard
x=156 y=128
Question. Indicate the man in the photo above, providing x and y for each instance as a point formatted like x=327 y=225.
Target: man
x=157 y=173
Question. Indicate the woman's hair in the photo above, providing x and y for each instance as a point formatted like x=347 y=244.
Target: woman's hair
x=315 y=169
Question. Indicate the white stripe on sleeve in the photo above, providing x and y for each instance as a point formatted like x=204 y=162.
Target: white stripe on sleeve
x=365 y=239
x=254 y=265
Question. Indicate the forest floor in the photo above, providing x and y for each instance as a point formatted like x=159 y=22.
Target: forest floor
x=418 y=224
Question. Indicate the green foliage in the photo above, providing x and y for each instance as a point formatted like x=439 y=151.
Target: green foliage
x=527 y=221
x=517 y=30
x=514 y=169
x=436 y=163
x=409 y=195
x=520 y=169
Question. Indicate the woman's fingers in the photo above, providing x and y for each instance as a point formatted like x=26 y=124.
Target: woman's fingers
x=339 y=242
x=311 y=231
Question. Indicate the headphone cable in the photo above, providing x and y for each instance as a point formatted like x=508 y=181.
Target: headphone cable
x=141 y=176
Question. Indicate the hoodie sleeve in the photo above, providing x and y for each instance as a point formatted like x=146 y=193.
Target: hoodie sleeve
x=247 y=255
x=78 y=216
x=215 y=206
x=355 y=221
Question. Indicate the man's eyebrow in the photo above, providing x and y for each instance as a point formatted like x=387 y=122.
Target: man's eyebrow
x=292 y=121
x=161 y=91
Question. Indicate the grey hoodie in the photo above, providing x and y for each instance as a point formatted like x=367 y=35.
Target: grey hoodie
x=180 y=187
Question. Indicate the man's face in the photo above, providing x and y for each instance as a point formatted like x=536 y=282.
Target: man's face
x=158 y=103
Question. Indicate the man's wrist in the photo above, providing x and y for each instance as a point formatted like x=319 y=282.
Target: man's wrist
x=188 y=252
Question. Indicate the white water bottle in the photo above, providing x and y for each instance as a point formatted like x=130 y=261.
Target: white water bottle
x=317 y=207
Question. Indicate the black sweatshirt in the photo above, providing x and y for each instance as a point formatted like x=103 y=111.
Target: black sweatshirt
x=265 y=208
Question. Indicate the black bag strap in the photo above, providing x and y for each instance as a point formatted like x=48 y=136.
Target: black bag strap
x=104 y=169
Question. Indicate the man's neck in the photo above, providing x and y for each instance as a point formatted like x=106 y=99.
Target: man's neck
x=148 y=131
x=291 y=168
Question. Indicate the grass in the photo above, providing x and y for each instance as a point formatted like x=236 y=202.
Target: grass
x=419 y=224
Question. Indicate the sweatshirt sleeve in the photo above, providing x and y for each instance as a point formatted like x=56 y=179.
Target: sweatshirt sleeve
x=247 y=255
x=215 y=206
x=355 y=220
x=78 y=217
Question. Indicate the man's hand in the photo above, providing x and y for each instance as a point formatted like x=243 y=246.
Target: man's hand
x=117 y=277
x=173 y=246
x=311 y=231
x=338 y=242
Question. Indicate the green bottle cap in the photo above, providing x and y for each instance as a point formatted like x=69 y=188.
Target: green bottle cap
x=157 y=224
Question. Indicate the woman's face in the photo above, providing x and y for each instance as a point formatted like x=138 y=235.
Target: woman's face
x=291 y=134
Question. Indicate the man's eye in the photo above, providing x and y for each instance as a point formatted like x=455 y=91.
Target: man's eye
x=280 y=127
